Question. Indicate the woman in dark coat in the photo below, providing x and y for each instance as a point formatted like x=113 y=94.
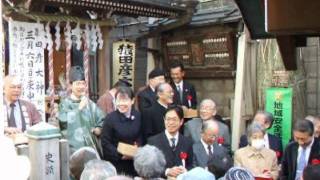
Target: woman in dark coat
x=122 y=125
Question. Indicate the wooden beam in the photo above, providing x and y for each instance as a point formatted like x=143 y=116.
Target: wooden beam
x=292 y=16
x=238 y=99
x=104 y=63
x=287 y=47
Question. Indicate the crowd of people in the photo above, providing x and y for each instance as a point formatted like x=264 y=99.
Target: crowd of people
x=168 y=145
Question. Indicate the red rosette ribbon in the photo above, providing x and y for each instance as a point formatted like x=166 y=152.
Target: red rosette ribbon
x=189 y=97
x=315 y=162
x=183 y=155
x=278 y=154
x=220 y=140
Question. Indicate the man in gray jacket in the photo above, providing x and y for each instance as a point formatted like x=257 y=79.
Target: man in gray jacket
x=206 y=149
x=207 y=110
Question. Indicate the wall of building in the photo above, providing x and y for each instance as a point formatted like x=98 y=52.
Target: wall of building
x=220 y=90
x=310 y=56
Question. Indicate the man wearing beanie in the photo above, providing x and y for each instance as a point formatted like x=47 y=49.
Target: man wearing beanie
x=148 y=96
x=80 y=119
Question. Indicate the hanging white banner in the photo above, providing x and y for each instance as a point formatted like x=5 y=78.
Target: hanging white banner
x=26 y=43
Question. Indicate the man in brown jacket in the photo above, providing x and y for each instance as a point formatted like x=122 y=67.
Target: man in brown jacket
x=20 y=113
x=107 y=101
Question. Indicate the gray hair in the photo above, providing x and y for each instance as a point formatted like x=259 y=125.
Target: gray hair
x=98 y=170
x=255 y=128
x=79 y=158
x=149 y=162
x=267 y=116
x=208 y=101
x=209 y=125
x=161 y=87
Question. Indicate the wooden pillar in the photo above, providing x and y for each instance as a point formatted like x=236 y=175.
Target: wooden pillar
x=1 y=71
x=104 y=62
x=238 y=101
x=150 y=58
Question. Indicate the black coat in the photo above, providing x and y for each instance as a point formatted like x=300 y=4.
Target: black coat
x=289 y=161
x=117 y=128
x=153 y=120
x=173 y=157
x=188 y=90
x=146 y=98
x=274 y=144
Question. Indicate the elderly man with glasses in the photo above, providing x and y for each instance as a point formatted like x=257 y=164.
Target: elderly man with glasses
x=207 y=113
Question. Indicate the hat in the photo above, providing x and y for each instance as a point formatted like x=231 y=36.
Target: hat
x=238 y=173
x=76 y=74
x=197 y=173
x=156 y=72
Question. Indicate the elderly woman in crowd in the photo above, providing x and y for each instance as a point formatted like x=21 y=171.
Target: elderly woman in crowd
x=98 y=169
x=149 y=162
x=122 y=125
x=238 y=173
x=259 y=160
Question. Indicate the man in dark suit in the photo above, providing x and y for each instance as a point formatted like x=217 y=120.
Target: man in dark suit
x=148 y=96
x=265 y=119
x=176 y=148
x=152 y=117
x=184 y=92
x=304 y=150
x=206 y=149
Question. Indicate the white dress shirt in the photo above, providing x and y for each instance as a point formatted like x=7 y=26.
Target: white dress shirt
x=180 y=84
x=169 y=137
x=266 y=141
x=17 y=113
x=205 y=145
x=308 y=150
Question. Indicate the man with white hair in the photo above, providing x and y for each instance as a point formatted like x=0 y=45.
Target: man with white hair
x=20 y=113
x=149 y=162
x=98 y=169
x=206 y=149
x=207 y=112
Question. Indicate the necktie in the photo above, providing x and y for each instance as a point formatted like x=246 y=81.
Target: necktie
x=180 y=93
x=12 y=121
x=210 y=151
x=301 y=164
x=173 y=143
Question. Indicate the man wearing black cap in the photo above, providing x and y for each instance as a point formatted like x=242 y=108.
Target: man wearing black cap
x=148 y=96
x=79 y=117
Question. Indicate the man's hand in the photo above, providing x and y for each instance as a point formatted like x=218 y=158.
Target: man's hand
x=83 y=103
x=11 y=130
x=124 y=157
x=175 y=171
x=96 y=131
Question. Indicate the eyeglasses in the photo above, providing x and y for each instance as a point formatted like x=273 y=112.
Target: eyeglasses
x=172 y=119
x=126 y=100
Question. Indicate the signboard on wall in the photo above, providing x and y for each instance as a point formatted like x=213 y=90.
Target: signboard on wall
x=279 y=103
x=26 y=43
x=123 y=61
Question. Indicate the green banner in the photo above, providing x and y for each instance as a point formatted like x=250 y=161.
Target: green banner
x=279 y=103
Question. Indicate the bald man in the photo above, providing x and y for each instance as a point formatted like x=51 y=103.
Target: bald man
x=20 y=113
x=206 y=149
